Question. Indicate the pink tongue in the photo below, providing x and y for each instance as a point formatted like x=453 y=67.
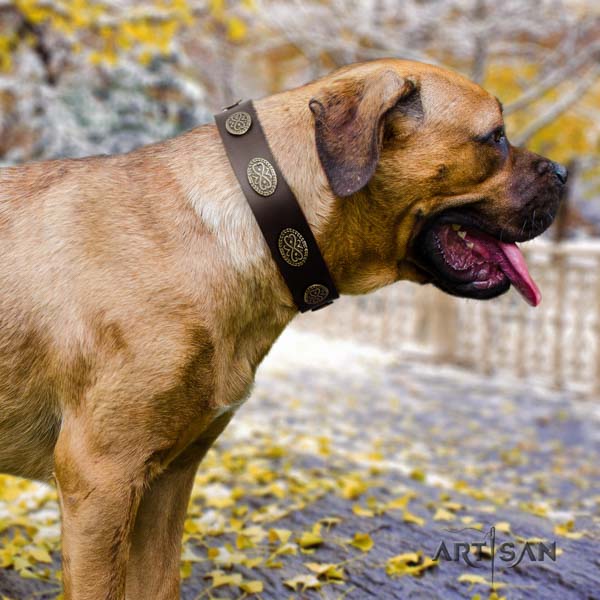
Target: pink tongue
x=509 y=259
x=516 y=271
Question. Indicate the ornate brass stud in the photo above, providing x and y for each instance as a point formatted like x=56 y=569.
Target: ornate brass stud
x=261 y=176
x=238 y=123
x=315 y=293
x=292 y=247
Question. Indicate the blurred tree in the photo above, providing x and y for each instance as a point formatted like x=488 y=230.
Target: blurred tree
x=540 y=57
x=81 y=76
x=102 y=32
x=153 y=65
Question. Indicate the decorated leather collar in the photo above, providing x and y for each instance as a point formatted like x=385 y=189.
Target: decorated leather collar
x=279 y=216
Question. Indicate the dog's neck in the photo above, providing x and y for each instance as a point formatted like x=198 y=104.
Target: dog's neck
x=290 y=133
x=356 y=262
x=222 y=207
x=252 y=300
x=247 y=304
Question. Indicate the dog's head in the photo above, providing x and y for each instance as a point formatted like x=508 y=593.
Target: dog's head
x=427 y=185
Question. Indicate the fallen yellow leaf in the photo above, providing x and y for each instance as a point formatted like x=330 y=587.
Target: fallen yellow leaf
x=441 y=514
x=252 y=587
x=305 y=582
x=409 y=517
x=331 y=572
x=362 y=541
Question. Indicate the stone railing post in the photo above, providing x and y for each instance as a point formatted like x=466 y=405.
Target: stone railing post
x=444 y=326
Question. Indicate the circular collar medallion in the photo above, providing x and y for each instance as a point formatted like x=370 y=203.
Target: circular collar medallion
x=261 y=176
x=315 y=294
x=292 y=247
x=238 y=123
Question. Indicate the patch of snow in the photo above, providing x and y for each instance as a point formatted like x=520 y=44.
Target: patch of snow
x=300 y=349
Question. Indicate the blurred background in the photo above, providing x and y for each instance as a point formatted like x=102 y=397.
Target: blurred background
x=80 y=77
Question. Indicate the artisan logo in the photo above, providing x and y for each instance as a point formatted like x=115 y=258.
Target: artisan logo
x=509 y=553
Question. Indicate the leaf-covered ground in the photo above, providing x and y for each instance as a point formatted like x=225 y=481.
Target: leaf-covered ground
x=345 y=470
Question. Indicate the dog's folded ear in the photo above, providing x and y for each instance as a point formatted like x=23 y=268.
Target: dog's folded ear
x=349 y=116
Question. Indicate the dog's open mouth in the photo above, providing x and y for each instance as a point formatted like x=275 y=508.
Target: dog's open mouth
x=465 y=261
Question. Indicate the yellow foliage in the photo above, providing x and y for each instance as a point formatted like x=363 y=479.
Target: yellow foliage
x=310 y=539
x=236 y=29
x=505 y=80
x=568 y=135
x=327 y=571
x=360 y=511
x=564 y=138
x=362 y=541
x=566 y=530
x=129 y=30
x=279 y=535
x=303 y=582
x=252 y=587
x=6 y=43
x=217 y=7
x=409 y=517
x=503 y=527
x=352 y=486
x=441 y=514
x=408 y=563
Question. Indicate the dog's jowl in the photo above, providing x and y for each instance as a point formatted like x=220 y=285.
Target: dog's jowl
x=138 y=295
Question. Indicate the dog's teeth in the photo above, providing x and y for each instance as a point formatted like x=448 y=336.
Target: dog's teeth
x=456 y=227
x=462 y=234
x=470 y=245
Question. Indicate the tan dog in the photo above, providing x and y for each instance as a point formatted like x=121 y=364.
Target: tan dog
x=137 y=296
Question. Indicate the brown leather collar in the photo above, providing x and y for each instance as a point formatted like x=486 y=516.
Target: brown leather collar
x=275 y=208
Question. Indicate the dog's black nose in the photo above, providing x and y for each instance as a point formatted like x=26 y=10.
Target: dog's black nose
x=560 y=171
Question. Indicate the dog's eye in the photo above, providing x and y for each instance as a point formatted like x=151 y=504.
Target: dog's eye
x=499 y=135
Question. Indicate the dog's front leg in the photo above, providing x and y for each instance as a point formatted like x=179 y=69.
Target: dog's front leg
x=99 y=493
x=153 y=567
